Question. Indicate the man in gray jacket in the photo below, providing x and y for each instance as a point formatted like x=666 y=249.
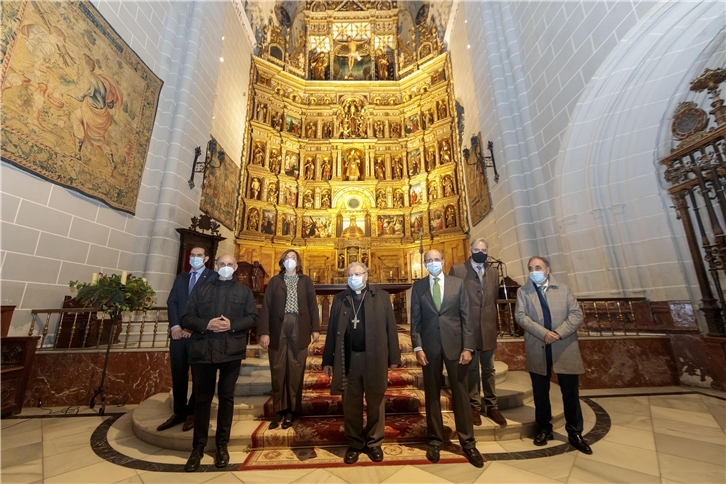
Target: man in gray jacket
x=550 y=315
x=482 y=286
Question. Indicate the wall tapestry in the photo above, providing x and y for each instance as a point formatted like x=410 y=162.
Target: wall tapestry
x=78 y=105
x=219 y=190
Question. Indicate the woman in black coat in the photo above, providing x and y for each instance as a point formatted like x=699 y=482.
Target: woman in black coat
x=288 y=321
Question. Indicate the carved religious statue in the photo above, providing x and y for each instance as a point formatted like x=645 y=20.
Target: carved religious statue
x=311 y=130
x=328 y=130
x=274 y=161
x=430 y=158
x=341 y=261
x=450 y=217
x=352 y=120
x=276 y=121
x=308 y=199
x=253 y=220
x=258 y=155
x=309 y=168
x=379 y=129
x=318 y=64
x=441 y=108
x=448 y=184
x=433 y=191
x=381 y=199
x=445 y=152
x=395 y=130
x=397 y=168
x=352 y=171
x=383 y=63
x=380 y=169
x=325 y=199
x=326 y=168
x=353 y=50
x=261 y=113
x=398 y=199
x=255 y=188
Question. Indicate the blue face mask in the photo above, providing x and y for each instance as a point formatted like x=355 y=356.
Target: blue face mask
x=196 y=262
x=355 y=282
x=434 y=267
x=538 y=277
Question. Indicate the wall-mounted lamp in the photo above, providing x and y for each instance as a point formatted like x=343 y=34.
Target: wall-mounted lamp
x=214 y=158
x=479 y=159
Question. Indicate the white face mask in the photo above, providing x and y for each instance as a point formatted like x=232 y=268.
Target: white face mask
x=225 y=272
x=290 y=264
x=355 y=282
x=196 y=262
x=538 y=277
x=434 y=268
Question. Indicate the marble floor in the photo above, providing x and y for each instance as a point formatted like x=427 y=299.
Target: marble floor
x=659 y=435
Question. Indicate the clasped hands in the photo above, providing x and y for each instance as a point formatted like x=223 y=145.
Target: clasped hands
x=464 y=358
x=219 y=325
x=178 y=333
x=551 y=337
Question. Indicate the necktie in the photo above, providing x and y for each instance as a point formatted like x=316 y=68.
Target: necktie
x=192 y=281
x=480 y=272
x=437 y=293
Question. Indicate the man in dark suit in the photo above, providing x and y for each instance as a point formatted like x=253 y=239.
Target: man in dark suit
x=482 y=286
x=442 y=334
x=184 y=284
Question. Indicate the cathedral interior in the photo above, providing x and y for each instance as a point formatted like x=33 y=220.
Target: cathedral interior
x=589 y=132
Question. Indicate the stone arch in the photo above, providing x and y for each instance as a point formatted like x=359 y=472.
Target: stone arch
x=616 y=226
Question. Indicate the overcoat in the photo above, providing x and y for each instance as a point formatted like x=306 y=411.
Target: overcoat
x=273 y=311
x=381 y=335
x=566 y=318
x=482 y=302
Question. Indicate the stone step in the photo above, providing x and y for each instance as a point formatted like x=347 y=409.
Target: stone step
x=248 y=410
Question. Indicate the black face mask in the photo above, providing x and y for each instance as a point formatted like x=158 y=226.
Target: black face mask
x=479 y=257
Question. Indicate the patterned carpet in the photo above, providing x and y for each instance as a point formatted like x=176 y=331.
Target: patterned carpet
x=317 y=438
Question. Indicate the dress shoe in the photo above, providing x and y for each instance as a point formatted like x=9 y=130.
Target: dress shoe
x=351 y=455
x=194 y=460
x=375 y=454
x=275 y=421
x=170 y=422
x=494 y=414
x=221 y=457
x=476 y=416
x=579 y=443
x=287 y=423
x=433 y=453
x=542 y=437
x=188 y=424
x=474 y=457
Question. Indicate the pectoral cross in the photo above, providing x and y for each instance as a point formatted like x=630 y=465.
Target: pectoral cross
x=355 y=322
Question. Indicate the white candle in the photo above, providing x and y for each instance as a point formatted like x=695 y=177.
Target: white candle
x=94 y=278
x=124 y=276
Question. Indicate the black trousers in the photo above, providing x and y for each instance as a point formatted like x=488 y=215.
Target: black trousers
x=179 y=360
x=570 y=388
x=205 y=376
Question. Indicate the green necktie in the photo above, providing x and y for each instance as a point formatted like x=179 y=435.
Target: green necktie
x=437 y=293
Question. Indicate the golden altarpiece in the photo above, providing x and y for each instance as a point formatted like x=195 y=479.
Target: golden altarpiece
x=351 y=146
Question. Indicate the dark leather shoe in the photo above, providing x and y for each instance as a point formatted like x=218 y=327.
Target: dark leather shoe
x=495 y=415
x=375 y=454
x=474 y=457
x=476 y=416
x=287 y=423
x=221 y=457
x=542 y=437
x=579 y=443
x=170 y=422
x=194 y=460
x=275 y=421
x=188 y=424
x=433 y=453
x=351 y=455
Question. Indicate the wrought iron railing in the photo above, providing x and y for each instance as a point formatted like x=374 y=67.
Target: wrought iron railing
x=87 y=329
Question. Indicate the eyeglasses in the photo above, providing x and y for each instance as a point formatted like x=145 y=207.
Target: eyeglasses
x=358 y=274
